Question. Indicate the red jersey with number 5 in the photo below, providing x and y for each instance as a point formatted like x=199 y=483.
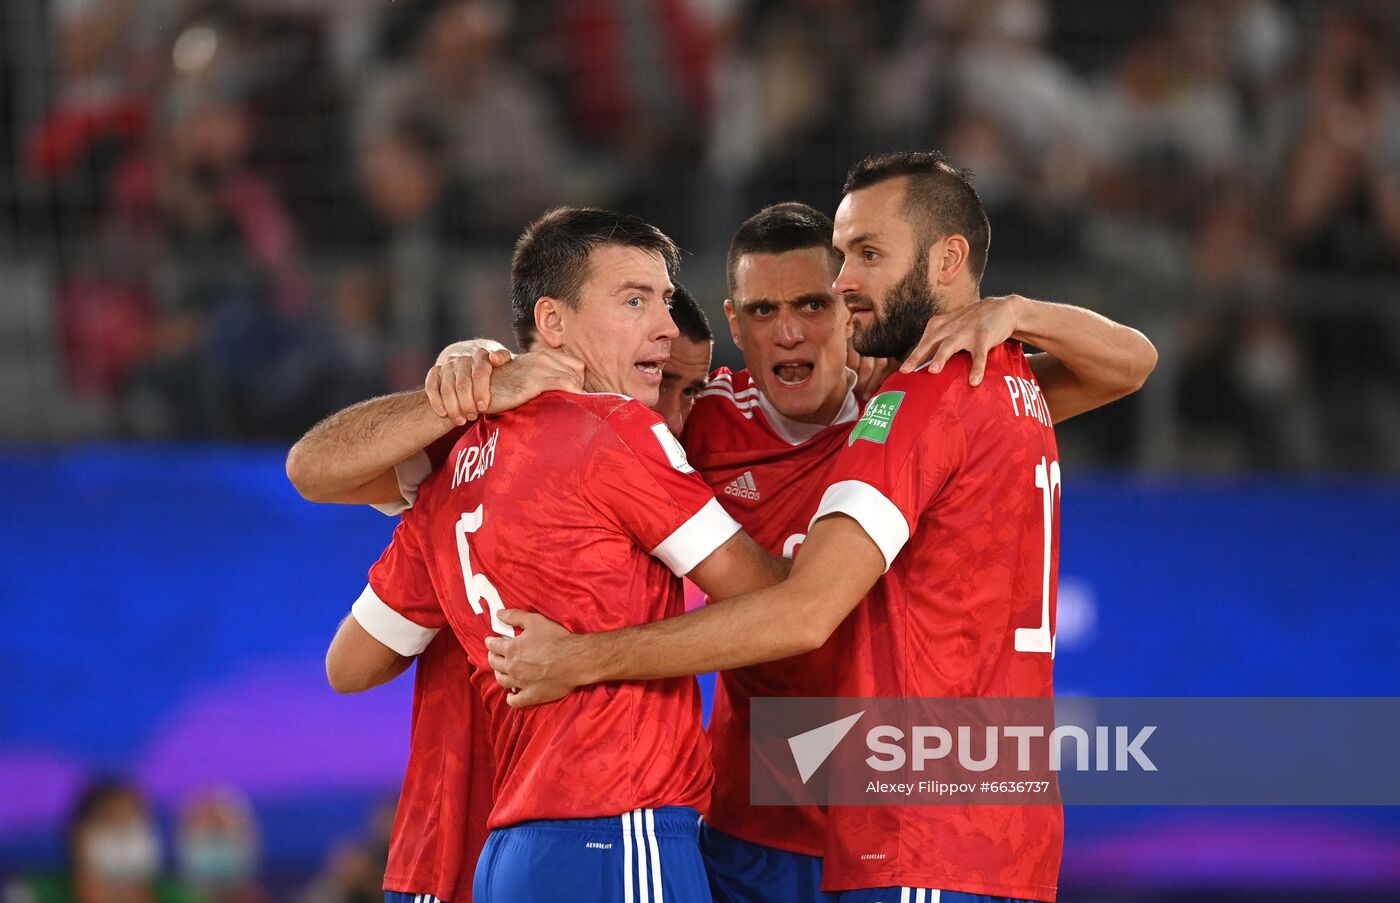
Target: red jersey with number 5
x=959 y=486
x=584 y=509
x=768 y=472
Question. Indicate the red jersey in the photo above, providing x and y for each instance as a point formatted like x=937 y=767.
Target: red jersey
x=440 y=824
x=446 y=794
x=573 y=506
x=768 y=472
x=959 y=487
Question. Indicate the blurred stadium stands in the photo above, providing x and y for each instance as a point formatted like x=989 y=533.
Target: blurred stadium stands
x=223 y=219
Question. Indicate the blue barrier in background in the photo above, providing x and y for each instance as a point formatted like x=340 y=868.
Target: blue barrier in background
x=167 y=611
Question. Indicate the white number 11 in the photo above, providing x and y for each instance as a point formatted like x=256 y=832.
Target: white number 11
x=1040 y=639
x=478 y=586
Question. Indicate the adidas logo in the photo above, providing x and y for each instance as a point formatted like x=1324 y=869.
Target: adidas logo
x=743 y=486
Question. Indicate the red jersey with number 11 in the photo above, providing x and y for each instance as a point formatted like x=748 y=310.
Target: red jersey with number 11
x=959 y=486
x=584 y=509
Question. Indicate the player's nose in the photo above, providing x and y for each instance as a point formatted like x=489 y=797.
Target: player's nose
x=664 y=327
x=788 y=331
x=846 y=283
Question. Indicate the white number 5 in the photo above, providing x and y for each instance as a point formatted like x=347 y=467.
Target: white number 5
x=478 y=586
x=1040 y=639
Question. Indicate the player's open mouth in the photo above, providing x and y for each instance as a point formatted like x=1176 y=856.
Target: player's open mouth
x=650 y=369
x=793 y=373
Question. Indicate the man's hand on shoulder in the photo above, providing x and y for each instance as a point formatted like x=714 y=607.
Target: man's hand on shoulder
x=458 y=386
x=976 y=329
x=482 y=380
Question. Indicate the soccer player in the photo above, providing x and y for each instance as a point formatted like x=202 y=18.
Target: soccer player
x=943 y=506
x=440 y=823
x=580 y=503
x=684 y=375
x=778 y=423
x=764 y=437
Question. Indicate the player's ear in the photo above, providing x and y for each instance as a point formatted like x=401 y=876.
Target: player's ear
x=733 y=323
x=549 y=321
x=947 y=259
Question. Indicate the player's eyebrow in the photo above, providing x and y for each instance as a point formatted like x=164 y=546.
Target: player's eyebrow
x=861 y=239
x=645 y=287
x=747 y=306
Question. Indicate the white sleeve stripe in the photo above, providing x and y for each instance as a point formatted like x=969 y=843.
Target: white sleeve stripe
x=411 y=473
x=694 y=540
x=388 y=626
x=877 y=515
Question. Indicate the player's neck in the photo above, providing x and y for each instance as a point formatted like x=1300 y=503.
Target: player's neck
x=953 y=300
x=826 y=414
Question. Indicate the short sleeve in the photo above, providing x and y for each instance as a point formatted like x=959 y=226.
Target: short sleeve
x=897 y=458
x=414 y=470
x=399 y=606
x=638 y=477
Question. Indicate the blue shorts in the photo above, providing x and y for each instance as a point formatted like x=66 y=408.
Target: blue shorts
x=916 y=895
x=394 y=896
x=745 y=872
x=644 y=856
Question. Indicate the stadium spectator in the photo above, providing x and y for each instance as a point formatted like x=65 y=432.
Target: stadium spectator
x=500 y=140
x=207 y=247
x=404 y=174
x=217 y=849
x=1340 y=194
x=114 y=854
x=1337 y=212
x=635 y=80
x=109 y=59
x=1164 y=125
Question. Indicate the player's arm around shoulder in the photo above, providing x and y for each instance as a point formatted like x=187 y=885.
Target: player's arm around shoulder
x=1089 y=360
x=373 y=452
x=377 y=452
x=836 y=566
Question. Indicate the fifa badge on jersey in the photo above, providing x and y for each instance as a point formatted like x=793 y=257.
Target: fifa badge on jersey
x=875 y=423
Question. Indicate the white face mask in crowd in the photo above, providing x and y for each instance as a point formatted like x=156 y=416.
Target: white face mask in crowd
x=126 y=853
x=215 y=860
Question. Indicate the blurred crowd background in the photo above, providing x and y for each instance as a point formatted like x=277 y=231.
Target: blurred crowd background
x=226 y=218
x=118 y=851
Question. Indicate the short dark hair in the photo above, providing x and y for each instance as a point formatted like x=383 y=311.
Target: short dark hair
x=690 y=316
x=938 y=201
x=551 y=257
x=789 y=226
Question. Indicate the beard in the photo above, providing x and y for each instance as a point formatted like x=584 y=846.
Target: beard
x=908 y=307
